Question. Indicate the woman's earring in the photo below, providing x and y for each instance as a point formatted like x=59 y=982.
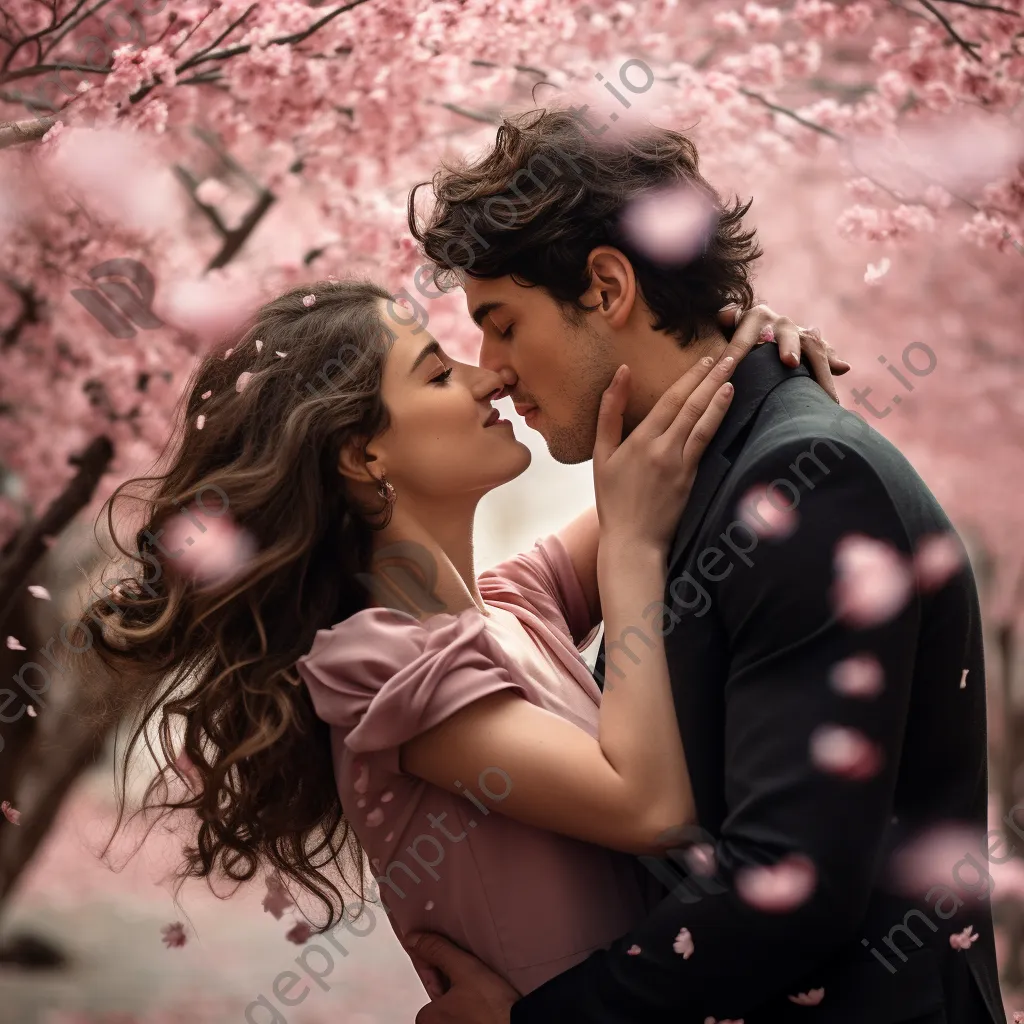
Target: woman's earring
x=386 y=493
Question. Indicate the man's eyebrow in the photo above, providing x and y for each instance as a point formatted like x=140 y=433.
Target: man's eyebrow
x=483 y=309
x=430 y=349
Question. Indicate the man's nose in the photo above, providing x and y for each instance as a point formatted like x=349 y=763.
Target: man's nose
x=495 y=358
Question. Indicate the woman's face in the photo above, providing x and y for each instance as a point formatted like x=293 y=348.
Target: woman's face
x=445 y=440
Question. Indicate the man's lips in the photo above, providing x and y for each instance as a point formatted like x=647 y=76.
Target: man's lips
x=524 y=409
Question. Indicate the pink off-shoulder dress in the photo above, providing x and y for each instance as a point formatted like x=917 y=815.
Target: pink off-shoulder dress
x=527 y=902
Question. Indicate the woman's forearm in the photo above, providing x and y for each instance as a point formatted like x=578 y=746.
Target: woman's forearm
x=638 y=729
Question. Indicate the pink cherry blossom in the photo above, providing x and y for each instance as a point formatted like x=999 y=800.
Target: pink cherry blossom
x=299 y=933
x=669 y=225
x=174 y=936
x=277 y=900
x=937 y=559
x=964 y=939
x=778 y=888
x=213 y=552
x=845 y=752
x=873 y=581
x=683 y=944
x=768 y=512
x=13 y=816
x=809 y=998
x=860 y=676
x=308 y=300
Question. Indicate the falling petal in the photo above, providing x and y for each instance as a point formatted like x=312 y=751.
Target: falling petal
x=758 y=512
x=683 y=943
x=200 y=421
x=634 y=950
x=243 y=380
x=963 y=679
x=280 y=355
x=277 y=900
x=937 y=559
x=41 y=592
x=299 y=933
x=386 y=798
x=429 y=905
x=375 y=817
x=873 y=581
x=212 y=191
x=876 y=271
x=389 y=837
x=14 y=644
x=13 y=816
x=810 y=998
x=940 y=857
x=964 y=939
x=846 y=752
x=700 y=859
x=778 y=888
x=31 y=711
x=259 y=345
x=362 y=780
x=213 y=555
x=669 y=225
x=860 y=676
x=229 y=351
x=206 y=394
x=210 y=309
x=308 y=300
x=174 y=935
x=361 y=802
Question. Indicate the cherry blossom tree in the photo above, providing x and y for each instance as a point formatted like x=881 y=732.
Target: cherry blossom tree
x=166 y=166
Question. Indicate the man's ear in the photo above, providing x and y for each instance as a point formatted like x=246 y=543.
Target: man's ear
x=612 y=284
x=353 y=461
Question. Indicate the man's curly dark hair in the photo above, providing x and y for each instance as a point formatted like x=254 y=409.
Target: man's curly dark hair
x=552 y=189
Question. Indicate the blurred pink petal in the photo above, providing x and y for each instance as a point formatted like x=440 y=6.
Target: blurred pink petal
x=174 y=935
x=938 y=558
x=941 y=856
x=277 y=899
x=308 y=300
x=375 y=817
x=31 y=711
x=214 y=555
x=875 y=272
x=299 y=933
x=243 y=380
x=279 y=354
x=389 y=837
x=634 y=950
x=810 y=998
x=873 y=581
x=212 y=191
x=767 y=520
x=211 y=308
x=200 y=421
x=14 y=644
x=859 y=676
x=778 y=888
x=964 y=939
x=41 y=592
x=13 y=816
x=700 y=859
x=683 y=944
x=669 y=225
x=846 y=752
x=387 y=797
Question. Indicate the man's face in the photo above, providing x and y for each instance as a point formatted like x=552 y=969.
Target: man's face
x=555 y=366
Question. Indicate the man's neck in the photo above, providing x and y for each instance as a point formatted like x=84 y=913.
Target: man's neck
x=657 y=363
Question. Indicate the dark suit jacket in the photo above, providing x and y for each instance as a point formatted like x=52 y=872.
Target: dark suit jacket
x=751 y=642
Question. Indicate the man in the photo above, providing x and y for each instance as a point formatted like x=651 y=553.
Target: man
x=831 y=703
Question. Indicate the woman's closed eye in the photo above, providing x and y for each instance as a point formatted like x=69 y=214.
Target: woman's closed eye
x=442 y=378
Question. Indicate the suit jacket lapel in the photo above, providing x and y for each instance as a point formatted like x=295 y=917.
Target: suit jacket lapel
x=754 y=378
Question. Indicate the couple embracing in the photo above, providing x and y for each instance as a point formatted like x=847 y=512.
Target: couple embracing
x=704 y=828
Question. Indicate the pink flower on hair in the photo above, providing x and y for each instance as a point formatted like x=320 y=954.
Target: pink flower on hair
x=243 y=380
x=174 y=935
x=13 y=816
x=308 y=300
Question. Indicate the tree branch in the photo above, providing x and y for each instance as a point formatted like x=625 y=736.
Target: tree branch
x=211 y=214
x=29 y=547
x=13 y=133
x=947 y=25
x=981 y=7
x=786 y=112
x=234 y=240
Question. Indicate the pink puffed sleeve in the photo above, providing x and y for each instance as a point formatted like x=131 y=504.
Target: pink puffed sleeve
x=383 y=677
x=545 y=578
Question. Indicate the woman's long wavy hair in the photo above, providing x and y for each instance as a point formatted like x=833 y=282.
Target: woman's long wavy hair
x=209 y=668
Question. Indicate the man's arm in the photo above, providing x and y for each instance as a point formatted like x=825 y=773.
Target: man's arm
x=785 y=641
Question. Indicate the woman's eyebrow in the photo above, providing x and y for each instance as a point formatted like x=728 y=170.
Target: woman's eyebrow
x=432 y=348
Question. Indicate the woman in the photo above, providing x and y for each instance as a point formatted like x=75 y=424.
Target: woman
x=448 y=720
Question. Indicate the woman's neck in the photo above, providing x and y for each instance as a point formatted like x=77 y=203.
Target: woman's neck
x=426 y=570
